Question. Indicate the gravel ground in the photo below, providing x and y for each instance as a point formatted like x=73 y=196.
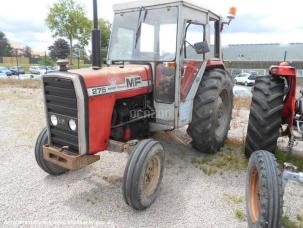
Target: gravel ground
x=93 y=196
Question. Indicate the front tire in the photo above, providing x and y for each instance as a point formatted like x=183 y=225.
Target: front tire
x=143 y=174
x=265 y=115
x=46 y=166
x=212 y=111
x=264 y=191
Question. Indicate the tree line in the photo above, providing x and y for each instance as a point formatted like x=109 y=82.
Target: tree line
x=68 y=23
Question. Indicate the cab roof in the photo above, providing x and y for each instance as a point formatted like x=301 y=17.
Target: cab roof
x=132 y=5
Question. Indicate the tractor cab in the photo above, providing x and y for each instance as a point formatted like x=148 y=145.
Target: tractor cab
x=178 y=40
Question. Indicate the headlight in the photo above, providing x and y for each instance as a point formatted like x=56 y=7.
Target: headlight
x=54 y=120
x=72 y=125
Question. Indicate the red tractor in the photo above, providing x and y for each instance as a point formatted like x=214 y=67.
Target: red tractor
x=164 y=72
x=275 y=112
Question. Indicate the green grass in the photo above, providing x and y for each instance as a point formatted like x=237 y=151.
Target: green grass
x=229 y=158
x=290 y=158
x=300 y=219
x=288 y=223
x=234 y=199
x=240 y=214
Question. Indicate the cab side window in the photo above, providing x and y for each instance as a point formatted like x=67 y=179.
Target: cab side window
x=194 y=34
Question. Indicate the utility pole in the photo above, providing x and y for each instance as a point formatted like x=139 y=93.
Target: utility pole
x=96 y=39
x=285 y=56
x=17 y=61
x=45 y=62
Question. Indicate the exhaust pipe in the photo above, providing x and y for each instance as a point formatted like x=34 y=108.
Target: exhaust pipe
x=96 y=40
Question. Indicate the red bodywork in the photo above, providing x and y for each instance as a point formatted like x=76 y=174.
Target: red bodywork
x=100 y=108
x=191 y=70
x=284 y=70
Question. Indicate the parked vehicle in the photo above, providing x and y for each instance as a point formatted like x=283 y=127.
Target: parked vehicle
x=51 y=69
x=240 y=91
x=41 y=69
x=247 y=79
x=3 y=75
x=24 y=76
x=16 y=70
x=6 y=71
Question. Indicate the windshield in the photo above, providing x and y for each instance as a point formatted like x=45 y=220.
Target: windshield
x=148 y=35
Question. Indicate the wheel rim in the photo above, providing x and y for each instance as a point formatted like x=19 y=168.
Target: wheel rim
x=222 y=114
x=151 y=175
x=254 y=194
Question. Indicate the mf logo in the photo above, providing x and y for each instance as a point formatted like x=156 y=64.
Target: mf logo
x=133 y=81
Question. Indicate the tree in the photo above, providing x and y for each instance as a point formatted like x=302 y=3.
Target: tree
x=105 y=28
x=5 y=47
x=27 y=52
x=59 y=50
x=67 y=19
x=45 y=61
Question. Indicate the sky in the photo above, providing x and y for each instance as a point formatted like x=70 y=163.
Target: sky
x=258 y=21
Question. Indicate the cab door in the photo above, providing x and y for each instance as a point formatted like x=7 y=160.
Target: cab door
x=192 y=68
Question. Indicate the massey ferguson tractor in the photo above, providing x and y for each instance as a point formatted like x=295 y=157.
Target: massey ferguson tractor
x=163 y=72
x=275 y=112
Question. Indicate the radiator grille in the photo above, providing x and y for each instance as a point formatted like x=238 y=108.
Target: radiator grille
x=61 y=101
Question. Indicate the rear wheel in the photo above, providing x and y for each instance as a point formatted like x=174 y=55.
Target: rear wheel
x=212 y=111
x=264 y=192
x=46 y=166
x=143 y=174
x=265 y=115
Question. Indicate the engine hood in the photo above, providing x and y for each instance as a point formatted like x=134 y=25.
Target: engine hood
x=115 y=78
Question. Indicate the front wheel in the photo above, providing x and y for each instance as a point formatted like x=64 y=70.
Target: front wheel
x=264 y=192
x=212 y=111
x=143 y=174
x=46 y=166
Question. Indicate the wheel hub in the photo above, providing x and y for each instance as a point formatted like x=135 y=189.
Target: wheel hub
x=151 y=175
x=254 y=194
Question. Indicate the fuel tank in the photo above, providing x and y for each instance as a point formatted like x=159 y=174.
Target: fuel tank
x=104 y=87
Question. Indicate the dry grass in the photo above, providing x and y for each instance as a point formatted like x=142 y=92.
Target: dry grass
x=234 y=198
x=242 y=103
x=31 y=84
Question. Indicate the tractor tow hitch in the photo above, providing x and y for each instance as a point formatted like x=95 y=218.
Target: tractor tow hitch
x=66 y=159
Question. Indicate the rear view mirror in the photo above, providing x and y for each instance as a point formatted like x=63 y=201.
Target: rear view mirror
x=201 y=47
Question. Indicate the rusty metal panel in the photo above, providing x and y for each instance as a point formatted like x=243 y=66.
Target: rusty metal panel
x=67 y=159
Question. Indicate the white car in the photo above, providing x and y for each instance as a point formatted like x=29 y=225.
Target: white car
x=246 y=79
x=40 y=70
x=3 y=75
x=24 y=76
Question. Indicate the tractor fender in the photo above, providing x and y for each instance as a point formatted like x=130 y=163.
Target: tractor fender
x=289 y=73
